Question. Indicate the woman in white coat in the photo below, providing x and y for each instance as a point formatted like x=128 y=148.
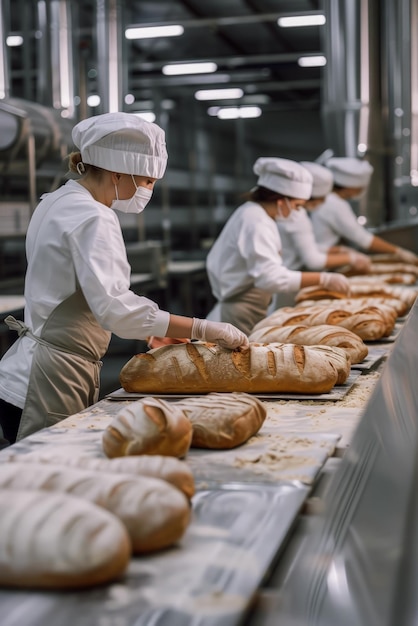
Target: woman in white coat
x=334 y=221
x=77 y=287
x=300 y=250
x=244 y=265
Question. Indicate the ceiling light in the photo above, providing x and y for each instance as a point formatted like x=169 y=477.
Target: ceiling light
x=176 y=69
x=149 y=32
x=301 y=20
x=218 y=94
x=233 y=113
x=312 y=61
x=14 y=40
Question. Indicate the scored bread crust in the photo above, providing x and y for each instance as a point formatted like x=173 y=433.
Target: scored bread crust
x=223 y=420
x=323 y=334
x=58 y=541
x=167 y=468
x=154 y=512
x=203 y=368
x=148 y=426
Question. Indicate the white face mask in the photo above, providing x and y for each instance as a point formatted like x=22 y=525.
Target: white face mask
x=136 y=204
x=284 y=218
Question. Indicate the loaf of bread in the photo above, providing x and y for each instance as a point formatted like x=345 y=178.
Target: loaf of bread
x=393 y=268
x=148 y=426
x=405 y=296
x=391 y=279
x=197 y=368
x=58 y=541
x=369 y=325
x=167 y=468
x=223 y=420
x=391 y=306
x=323 y=334
x=154 y=512
x=387 y=257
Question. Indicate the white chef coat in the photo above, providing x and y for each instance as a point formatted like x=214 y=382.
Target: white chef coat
x=299 y=247
x=74 y=241
x=335 y=220
x=247 y=254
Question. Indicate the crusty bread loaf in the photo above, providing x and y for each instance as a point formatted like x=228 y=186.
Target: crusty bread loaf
x=324 y=334
x=391 y=279
x=368 y=324
x=393 y=268
x=58 y=541
x=223 y=420
x=154 y=512
x=148 y=426
x=391 y=306
x=167 y=468
x=387 y=257
x=405 y=295
x=202 y=368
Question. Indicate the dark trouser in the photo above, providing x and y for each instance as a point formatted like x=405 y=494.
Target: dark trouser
x=9 y=422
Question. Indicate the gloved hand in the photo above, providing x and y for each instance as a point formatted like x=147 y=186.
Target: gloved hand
x=359 y=261
x=224 y=334
x=334 y=282
x=406 y=256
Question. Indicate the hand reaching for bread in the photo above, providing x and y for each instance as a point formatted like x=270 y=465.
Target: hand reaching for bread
x=359 y=261
x=334 y=282
x=224 y=334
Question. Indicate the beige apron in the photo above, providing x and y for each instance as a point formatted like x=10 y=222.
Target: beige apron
x=65 y=373
x=245 y=309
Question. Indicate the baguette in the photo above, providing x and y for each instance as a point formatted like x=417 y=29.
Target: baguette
x=154 y=513
x=393 y=268
x=223 y=420
x=197 y=368
x=167 y=468
x=148 y=426
x=391 y=278
x=58 y=541
x=323 y=334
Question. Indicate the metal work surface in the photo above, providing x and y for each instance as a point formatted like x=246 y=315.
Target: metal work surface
x=358 y=563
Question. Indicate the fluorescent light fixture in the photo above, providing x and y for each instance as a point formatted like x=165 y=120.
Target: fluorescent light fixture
x=14 y=40
x=176 y=69
x=93 y=101
x=148 y=116
x=301 y=20
x=218 y=94
x=312 y=61
x=213 y=111
x=233 y=113
x=150 y=32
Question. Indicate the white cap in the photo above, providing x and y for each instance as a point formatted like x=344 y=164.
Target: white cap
x=323 y=180
x=284 y=176
x=350 y=172
x=123 y=143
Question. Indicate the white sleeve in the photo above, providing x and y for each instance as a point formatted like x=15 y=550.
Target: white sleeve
x=260 y=247
x=347 y=225
x=103 y=273
x=303 y=240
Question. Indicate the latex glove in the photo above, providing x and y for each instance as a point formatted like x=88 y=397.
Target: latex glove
x=359 y=261
x=334 y=282
x=222 y=333
x=406 y=256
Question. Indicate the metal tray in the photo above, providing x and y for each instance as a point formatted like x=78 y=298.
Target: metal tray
x=337 y=393
x=373 y=359
x=209 y=579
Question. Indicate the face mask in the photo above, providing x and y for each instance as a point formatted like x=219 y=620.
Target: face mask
x=136 y=204
x=282 y=218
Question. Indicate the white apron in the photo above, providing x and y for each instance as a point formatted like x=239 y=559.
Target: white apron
x=65 y=373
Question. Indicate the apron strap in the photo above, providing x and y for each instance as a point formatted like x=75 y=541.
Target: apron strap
x=23 y=330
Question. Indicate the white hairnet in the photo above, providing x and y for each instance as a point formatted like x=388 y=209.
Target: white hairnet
x=322 y=179
x=123 y=143
x=284 y=176
x=350 y=172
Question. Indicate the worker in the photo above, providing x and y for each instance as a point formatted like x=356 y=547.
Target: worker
x=244 y=265
x=77 y=287
x=300 y=250
x=335 y=221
